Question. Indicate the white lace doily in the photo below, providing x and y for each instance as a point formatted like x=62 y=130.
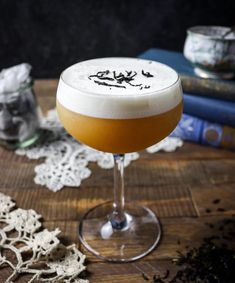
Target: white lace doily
x=66 y=161
x=37 y=252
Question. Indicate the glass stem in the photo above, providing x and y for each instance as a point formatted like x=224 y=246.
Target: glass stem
x=118 y=218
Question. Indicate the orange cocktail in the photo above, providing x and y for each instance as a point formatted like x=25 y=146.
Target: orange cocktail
x=119 y=105
x=119 y=135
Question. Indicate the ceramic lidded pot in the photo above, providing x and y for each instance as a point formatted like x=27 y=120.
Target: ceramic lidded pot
x=211 y=50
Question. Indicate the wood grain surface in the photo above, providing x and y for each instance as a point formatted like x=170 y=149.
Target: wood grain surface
x=179 y=187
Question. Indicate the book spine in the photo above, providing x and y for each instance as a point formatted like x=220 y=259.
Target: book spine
x=213 y=110
x=200 y=131
x=208 y=87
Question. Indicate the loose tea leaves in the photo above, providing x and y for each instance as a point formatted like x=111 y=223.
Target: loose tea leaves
x=110 y=85
x=119 y=79
x=216 y=201
x=212 y=262
x=146 y=74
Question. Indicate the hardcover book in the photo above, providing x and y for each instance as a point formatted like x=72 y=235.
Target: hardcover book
x=194 y=129
x=213 y=110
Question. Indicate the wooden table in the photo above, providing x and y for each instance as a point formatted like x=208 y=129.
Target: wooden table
x=179 y=187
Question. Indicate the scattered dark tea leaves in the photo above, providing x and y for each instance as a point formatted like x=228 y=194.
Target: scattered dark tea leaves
x=220 y=209
x=106 y=84
x=146 y=74
x=118 y=79
x=212 y=262
x=157 y=279
x=216 y=201
x=167 y=274
x=145 y=277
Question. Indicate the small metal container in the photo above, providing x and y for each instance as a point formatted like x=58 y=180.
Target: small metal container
x=211 y=50
x=19 y=117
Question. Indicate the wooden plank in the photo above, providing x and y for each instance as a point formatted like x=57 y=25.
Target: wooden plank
x=152 y=173
x=71 y=203
x=214 y=199
x=45 y=86
x=142 y=172
x=132 y=272
x=191 y=151
x=45 y=91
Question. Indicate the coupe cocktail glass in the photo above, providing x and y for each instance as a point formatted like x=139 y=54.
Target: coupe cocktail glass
x=119 y=105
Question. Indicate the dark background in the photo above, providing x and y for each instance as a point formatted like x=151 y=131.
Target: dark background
x=53 y=34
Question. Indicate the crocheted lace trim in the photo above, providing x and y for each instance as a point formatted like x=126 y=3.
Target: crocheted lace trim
x=28 y=249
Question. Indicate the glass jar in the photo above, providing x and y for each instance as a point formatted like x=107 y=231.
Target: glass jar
x=19 y=117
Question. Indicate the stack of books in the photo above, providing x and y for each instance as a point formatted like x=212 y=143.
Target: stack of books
x=209 y=104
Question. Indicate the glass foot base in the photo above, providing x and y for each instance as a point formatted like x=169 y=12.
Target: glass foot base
x=138 y=238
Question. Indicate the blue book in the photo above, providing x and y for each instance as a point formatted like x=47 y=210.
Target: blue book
x=191 y=83
x=213 y=110
x=194 y=129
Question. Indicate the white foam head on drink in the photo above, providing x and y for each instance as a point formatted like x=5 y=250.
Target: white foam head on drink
x=155 y=88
